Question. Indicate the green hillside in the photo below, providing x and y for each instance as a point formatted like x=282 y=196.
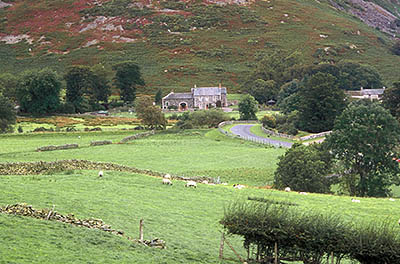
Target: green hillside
x=181 y=44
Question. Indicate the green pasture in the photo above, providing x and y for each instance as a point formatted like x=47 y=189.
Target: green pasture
x=185 y=153
x=187 y=219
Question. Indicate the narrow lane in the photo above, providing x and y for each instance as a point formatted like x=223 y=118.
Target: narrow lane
x=244 y=132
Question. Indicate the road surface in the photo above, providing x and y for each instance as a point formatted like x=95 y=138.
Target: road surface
x=243 y=131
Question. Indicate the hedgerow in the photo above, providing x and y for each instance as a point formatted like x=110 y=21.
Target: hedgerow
x=310 y=237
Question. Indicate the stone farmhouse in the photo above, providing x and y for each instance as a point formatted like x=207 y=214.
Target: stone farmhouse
x=372 y=94
x=198 y=98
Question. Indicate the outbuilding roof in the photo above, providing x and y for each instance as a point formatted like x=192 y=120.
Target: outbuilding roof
x=173 y=95
x=372 y=91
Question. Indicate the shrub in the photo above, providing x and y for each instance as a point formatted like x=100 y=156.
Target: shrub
x=202 y=118
x=268 y=121
x=303 y=168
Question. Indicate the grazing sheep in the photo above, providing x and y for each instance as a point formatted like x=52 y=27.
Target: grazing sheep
x=100 y=173
x=287 y=189
x=167 y=181
x=191 y=184
x=391 y=199
x=238 y=186
x=303 y=193
x=354 y=200
x=205 y=182
x=167 y=176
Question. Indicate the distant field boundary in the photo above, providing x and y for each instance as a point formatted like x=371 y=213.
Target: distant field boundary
x=41 y=167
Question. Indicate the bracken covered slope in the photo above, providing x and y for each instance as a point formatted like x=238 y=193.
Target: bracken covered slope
x=182 y=43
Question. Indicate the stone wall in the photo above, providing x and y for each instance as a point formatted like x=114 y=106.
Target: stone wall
x=52 y=147
x=100 y=143
x=136 y=136
x=276 y=134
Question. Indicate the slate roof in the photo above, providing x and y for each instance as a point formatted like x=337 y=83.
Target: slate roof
x=208 y=91
x=179 y=96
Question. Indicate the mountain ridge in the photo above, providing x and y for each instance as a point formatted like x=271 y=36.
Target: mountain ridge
x=182 y=43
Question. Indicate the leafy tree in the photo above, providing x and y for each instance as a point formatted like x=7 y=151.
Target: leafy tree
x=7 y=115
x=38 y=92
x=8 y=86
x=158 y=97
x=353 y=76
x=100 y=89
x=349 y=75
x=127 y=77
x=320 y=102
x=248 y=108
x=391 y=99
x=280 y=67
x=79 y=81
x=364 y=140
x=152 y=116
x=288 y=100
x=263 y=91
x=303 y=168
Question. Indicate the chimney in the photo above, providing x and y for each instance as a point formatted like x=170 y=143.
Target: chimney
x=219 y=85
x=195 y=86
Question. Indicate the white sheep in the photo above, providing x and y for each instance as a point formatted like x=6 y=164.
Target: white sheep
x=391 y=199
x=287 y=189
x=399 y=221
x=205 y=182
x=167 y=176
x=100 y=173
x=167 y=181
x=191 y=184
x=303 y=193
x=238 y=186
x=354 y=200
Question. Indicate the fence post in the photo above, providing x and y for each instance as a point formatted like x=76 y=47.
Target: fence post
x=221 y=246
x=276 y=253
x=332 y=257
x=141 y=230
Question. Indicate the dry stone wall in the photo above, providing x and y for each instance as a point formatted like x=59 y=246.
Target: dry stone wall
x=136 y=136
x=52 y=147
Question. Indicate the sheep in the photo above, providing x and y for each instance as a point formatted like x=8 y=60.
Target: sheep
x=354 y=200
x=391 y=199
x=399 y=221
x=100 y=173
x=167 y=176
x=167 y=181
x=205 y=182
x=238 y=186
x=287 y=189
x=303 y=193
x=191 y=184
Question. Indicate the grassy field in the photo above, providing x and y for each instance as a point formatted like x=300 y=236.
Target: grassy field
x=187 y=219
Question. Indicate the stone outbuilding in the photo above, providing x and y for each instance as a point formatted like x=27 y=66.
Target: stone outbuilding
x=198 y=98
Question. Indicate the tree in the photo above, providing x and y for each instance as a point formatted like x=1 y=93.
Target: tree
x=8 y=86
x=248 y=108
x=364 y=139
x=7 y=115
x=38 y=92
x=158 y=97
x=353 y=76
x=263 y=91
x=79 y=81
x=152 y=116
x=303 y=168
x=391 y=99
x=320 y=102
x=127 y=77
x=100 y=89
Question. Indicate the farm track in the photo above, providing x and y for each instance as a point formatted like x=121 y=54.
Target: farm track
x=243 y=131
